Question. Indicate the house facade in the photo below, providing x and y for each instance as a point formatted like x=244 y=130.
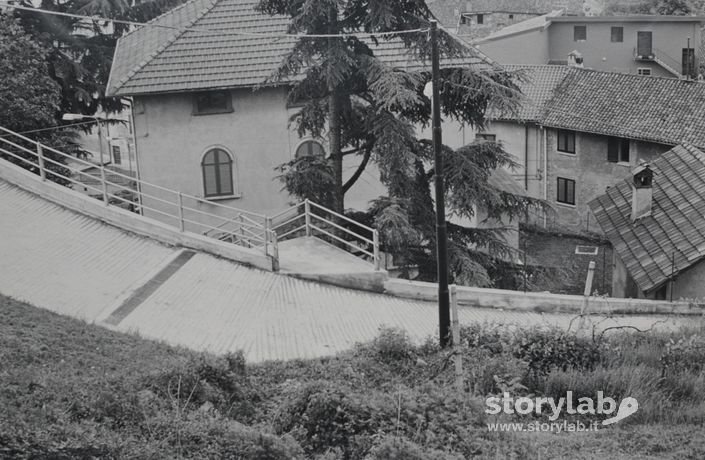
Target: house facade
x=655 y=221
x=665 y=46
x=581 y=131
x=206 y=126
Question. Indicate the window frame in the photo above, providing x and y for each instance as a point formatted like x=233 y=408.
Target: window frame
x=641 y=73
x=619 y=29
x=117 y=159
x=570 y=134
x=214 y=111
x=491 y=137
x=231 y=163
x=565 y=182
x=582 y=27
x=306 y=141
x=617 y=147
x=480 y=19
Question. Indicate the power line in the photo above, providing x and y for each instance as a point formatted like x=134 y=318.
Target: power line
x=214 y=31
x=58 y=127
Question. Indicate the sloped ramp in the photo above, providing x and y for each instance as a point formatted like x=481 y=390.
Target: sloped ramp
x=75 y=265
x=317 y=260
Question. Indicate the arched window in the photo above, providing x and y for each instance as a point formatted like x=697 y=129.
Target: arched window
x=217 y=167
x=310 y=148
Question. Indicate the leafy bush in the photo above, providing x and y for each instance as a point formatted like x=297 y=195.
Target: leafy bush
x=219 y=381
x=401 y=449
x=548 y=349
x=200 y=435
x=687 y=354
x=491 y=337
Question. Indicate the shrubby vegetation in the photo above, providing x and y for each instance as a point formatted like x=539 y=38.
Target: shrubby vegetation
x=71 y=390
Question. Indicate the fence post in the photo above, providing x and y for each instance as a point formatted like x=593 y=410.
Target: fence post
x=242 y=228
x=588 y=286
x=40 y=156
x=104 y=184
x=375 y=243
x=181 y=211
x=275 y=251
x=455 y=328
x=307 y=212
x=267 y=234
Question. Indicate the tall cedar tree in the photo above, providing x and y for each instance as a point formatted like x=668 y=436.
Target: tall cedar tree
x=80 y=51
x=371 y=110
x=29 y=101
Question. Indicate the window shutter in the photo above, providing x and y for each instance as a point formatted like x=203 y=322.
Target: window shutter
x=613 y=150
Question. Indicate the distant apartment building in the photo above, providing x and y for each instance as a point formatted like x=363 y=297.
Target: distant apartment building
x=664 y=46
x=479 y=18
x=581 y=131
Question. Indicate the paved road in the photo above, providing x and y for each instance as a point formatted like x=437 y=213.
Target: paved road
x=74 y=265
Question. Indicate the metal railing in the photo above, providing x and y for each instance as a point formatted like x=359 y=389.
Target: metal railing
x=661 y=58
x=310 y=219
x=184 y=212
x=177 y=209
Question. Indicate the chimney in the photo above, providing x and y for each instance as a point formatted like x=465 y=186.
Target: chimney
x=575 y=59
x=642 y=192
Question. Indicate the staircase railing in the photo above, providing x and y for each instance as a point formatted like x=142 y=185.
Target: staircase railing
x=177 y=209
x=663 y=59
x=183 y=211
x=310 y=219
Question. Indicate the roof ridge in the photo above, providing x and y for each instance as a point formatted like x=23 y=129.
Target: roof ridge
x=633 y=75
x=471 y=47
x=168 y=42
x=155 y=19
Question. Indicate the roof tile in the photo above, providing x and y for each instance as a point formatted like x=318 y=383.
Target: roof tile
x=676 y=226
x=157 y=60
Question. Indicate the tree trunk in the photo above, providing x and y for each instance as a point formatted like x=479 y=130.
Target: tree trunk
x=336 y=157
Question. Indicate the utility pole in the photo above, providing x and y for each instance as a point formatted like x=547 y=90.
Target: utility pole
x=441 y=233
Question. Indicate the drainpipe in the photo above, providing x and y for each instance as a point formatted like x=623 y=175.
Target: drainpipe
x=526 y=156
x=545 y=171
x=137 y=157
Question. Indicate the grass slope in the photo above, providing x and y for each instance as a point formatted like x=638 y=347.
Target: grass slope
x=71 y=390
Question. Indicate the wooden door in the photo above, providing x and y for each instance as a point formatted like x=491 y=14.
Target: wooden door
x=643 y=44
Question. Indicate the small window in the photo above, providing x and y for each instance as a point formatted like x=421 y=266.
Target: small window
x=566 y=141
x=644 y=71
x=463 y=19
x=586 y=250
x=486 y=137
x=217 y=166
x=618 y=150
x=480 y=18
x=566 y=191
x=579 y=33
x=617 y=35
x=117 y=157
x=212 y=102
x=310 y=148
x=511 y=16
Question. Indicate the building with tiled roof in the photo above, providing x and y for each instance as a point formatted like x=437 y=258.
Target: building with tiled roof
x=479 y=18
x=222 y=47
x=656 y=224
x=655 y=45
x=579 y=131
x=663 y=110
x=206 y=123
